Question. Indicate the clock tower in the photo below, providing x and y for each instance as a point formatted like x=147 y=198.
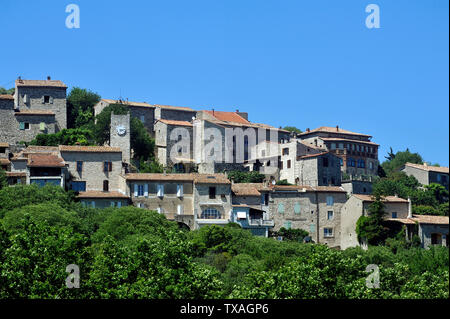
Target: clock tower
x=120 y=135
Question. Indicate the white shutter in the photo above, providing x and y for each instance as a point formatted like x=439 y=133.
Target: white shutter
x=51 y=99
x=135 y=190
x=180 y=209
x=160 y=190
x=158 y=210
x=146 y=190
x=180 y=190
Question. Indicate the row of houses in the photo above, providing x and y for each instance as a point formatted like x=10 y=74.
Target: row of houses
x=330 y=169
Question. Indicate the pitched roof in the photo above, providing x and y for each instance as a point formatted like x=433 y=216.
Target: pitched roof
x=6 y=97
x=422 y=219
x=42 y=83
x=328 y=129
x=100 y=194
x=312 y=155
x=331 y=139
x=4 y=161
x=2 y=144
x=16 y=174
x=228 y=117
x=176 y=123
x=35 y=112
x=385 y=199
x=175 y=108
x=128 y=103
x=40 y=149
x=211 y=179
x=45 y=160
x=244 y=189
x=158 y=177
x=305 y=188
x=89 y=149
x=429 y=168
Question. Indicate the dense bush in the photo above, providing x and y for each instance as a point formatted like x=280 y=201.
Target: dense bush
x=130 y=252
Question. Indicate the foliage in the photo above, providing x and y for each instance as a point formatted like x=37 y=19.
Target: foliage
x=283 y=182
x=291 y=234
x=246 y=177
x=370 y=228
x=5 y=91
x=395 y=161
x=3 y=179
x=150 y=166
x=74 y=136
x=292 y=129
x=80 y=107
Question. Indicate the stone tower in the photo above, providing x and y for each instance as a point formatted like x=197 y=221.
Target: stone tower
x=120 y=135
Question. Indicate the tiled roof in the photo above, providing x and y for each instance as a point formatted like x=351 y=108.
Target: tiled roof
x=328 y=129
x=176 y=108
x=16 y=174
x=35 y=112
x=429 y=168
x=45 y=160
x=301 y=188
x=211 y=179
x=42 y=83
x=128 y=103
x=4 y=161
x=177 y=123
x=387 y=199
x=40 y=149
x=422 y=219
x=312 y=155
x=89 y=149
x=228 y=117
x=6 y=97
x=337 y=139
x=4 y=144
x=244 y=189
x=158 y=177
x=100 y=194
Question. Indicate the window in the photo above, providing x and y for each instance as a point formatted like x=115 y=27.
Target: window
x=297 y=208
x=180 y=190
x=289 y=164
x=353 y=147
x=371 y=165
x=160 y=190
x=436 y=239
x=212 y=192
x=438 y=177
x=341 y=146
x=287 y=225
x=325 y=161
x=330 y=215
x=142 y=118
x=46 y=99
x=180 y=209
x=333 y=146
x=341 y=161
x=105 y=186
x=324 y=181
x=286 y=151
x=79 y=166
x=107 y=167
x=24 y=125
x=210 y=213
x=116 y=204
x=330 y=200
x=79 y=186
x=280 y=208
x=328 y=232
x=394 y=214
x=140 y=190
x=281 y=164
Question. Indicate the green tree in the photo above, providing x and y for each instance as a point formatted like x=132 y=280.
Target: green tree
x=3 y=179
x=80 y=107
x=370 y=228
x=6 y=92
x=394 y=162
x=292 y=129
x=75 y=136
x=246 y=177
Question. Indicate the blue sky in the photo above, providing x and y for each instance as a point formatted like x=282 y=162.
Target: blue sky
x=300 y=63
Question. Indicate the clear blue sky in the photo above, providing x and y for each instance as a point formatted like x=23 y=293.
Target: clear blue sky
x=300 y=63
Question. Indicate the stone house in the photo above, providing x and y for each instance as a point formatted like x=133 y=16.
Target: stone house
x=176 y=113
x=358 y=154
x=431 y=229
x=358 y=205
x=168 y=194
x=174 y=144
x=247 y=201
x=4 y=156
x=427 y=174
x=316 y=210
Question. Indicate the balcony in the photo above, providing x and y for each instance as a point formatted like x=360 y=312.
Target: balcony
x=261 y=222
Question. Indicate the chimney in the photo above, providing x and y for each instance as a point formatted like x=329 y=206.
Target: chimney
x=48 y=78
x=307 y=130
x=237 y=111
x=409 y=208
x=19 y=78
x=337 y=127
x=425 y=164
x=213 y=111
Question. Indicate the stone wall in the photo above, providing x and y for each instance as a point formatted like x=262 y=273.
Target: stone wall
x=121 y=141
x=426 y=230
x=222 y=201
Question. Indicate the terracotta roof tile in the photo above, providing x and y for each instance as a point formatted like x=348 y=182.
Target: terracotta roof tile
x=301 y=188
x=100 y=194
x=437 y=169
x=89 y=149
x=244 y=189
x=228 y=117
x=127 y=103
x=16 y=174
x=4 y=161
x=42 y=83
x=328 y=129
x=211 y=179
x=45 y=160
x=422 y=219
x=158 y=177
x=6 y=97
x=390 y=199
x=331 y=139
x=176 y=123
x=4 y=144
x=311 y=155
x=175 y=108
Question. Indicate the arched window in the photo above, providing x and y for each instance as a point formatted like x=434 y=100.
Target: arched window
x=211 y=213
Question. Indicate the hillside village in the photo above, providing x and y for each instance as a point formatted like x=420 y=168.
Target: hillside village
x=319 y=180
